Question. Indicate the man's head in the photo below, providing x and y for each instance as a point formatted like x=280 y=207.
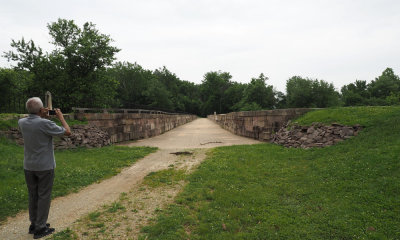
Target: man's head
x=33 y=105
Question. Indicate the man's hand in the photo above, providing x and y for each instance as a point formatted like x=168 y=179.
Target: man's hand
x=44 y=113
x=60 y=116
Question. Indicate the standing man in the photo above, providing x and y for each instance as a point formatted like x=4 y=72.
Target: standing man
x=39 y=162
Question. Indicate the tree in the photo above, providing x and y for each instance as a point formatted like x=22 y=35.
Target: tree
x=385 y=85
x=310 y=93
x=355 y=94
x=234 y=95
x=172 y=85
x=75 y=70
x=258 y=95
x=324 y=94
x=299 y=92
x=212 y=91
x=13 y=90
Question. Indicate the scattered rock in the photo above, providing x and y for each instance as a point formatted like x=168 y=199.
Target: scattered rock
x=88 y=136
x=316 y=135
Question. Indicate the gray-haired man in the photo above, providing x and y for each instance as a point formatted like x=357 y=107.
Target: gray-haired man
x=39 y=162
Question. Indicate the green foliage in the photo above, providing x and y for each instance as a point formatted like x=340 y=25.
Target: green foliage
x=212 y=92
x=385 y=84
x=257 y=95
x=384 y=90
x=160 y=89
x=310 y=93
x=355 y=94
x=74 y=71
x=265 y=191
x=234 y=95
x=13 y=89
x=219 y=94
x=75 y=169
x=393 y=99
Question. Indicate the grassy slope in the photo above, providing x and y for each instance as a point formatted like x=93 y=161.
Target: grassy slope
x=264 y=191
x=75 y=169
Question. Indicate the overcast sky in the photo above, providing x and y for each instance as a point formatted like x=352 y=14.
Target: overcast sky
x=333 y=40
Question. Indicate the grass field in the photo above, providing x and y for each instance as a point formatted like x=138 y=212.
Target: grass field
x=10 y=120
x=264 y=191
x=75 y=169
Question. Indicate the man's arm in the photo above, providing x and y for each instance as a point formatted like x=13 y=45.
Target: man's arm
x=63 y=122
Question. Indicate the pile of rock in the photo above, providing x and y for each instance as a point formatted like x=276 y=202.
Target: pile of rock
x=82 y=136
x=13 y=134
x=316 y=135
x=88 y=136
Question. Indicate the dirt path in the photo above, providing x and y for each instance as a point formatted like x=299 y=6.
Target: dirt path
x=199 y=134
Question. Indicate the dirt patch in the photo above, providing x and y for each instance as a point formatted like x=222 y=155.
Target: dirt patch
x=182 y=153
x=123 y=219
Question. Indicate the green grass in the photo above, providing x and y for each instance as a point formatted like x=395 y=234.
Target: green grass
x=164 y=177
x=75 y=169
x=67 y=234
x=114 y=207
x=10 y=120
x=365 y=116
x=264 y=191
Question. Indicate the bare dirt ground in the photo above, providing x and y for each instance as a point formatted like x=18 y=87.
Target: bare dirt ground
x=134 y=203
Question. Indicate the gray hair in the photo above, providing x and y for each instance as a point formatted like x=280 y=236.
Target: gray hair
x=33 y=105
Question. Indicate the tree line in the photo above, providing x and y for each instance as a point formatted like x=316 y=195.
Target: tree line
x=82 y=71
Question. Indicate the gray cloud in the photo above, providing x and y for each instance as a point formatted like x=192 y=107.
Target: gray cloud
x=338 y=41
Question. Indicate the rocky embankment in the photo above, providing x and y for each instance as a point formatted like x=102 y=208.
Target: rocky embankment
x=82 y=136
x=316 y=135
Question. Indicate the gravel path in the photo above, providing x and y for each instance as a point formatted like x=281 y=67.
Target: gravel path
x=201 y=133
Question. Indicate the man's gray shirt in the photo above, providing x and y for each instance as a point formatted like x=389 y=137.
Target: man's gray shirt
x=38 y=142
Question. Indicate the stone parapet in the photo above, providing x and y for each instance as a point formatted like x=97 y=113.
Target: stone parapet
x=133 y=126
x=259 y=125
x=106 y=128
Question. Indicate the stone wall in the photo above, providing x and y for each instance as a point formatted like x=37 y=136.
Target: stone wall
x=106 y=128
x=132 y=126
x=259 y=125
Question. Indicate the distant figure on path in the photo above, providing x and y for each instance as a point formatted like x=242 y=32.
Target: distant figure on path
x=39 y=162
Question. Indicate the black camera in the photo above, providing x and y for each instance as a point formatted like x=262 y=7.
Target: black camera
x=52 y=112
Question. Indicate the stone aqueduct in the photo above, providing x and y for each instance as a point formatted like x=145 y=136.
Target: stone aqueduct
x=136 y=124
x=108 y=126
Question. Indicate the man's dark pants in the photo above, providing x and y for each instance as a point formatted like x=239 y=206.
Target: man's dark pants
x=40 y=184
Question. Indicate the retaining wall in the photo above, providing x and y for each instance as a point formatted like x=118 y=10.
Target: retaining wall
x=259 y=125
x=132 y=126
